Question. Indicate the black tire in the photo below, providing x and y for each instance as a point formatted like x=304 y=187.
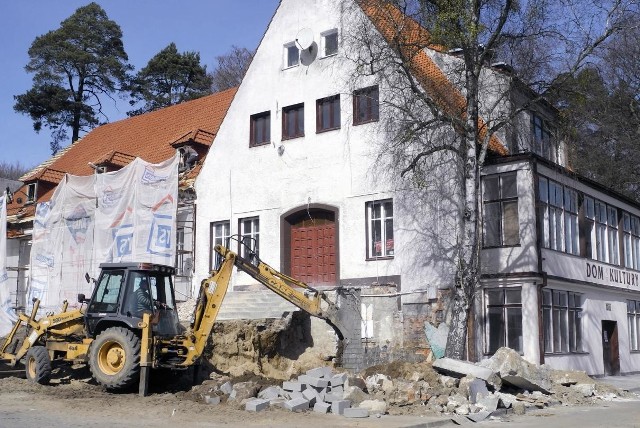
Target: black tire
x=38 y=365
x=114 y=358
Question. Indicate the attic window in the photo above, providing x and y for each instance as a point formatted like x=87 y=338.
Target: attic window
x=329 y=42
x=101 y=169
x=291 y=55
x=31 y=193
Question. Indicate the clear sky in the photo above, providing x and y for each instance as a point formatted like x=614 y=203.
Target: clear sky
x=206 y=26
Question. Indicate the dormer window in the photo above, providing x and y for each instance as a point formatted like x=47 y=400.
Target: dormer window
x=329 y=43
x=542 y=138
x=291 y=55
x=31 y=193
x=101 y=169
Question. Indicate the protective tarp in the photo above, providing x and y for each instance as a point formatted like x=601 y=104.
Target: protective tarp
x=123 y=216
x=7 y=314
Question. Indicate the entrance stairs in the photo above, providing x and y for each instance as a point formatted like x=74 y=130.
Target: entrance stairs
x=251 y=305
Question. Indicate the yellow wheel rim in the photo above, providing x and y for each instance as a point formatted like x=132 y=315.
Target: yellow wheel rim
x=31 y=367
x=111 y=358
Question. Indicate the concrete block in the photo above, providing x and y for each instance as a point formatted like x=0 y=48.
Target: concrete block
x=330 y=398
x=226 y=387
x=212 y=399
x=256 y=405
x=311 y=395
x=337 y=407
x=269 y=393
x=322 y=372
x=294 y=395
x=277 y=402
x=338 y=390
x=355 y=412
x=338 y=379
x=297 y=405
x=317 y=382
x=321 y=407
x=303 y=378
x=293 y=386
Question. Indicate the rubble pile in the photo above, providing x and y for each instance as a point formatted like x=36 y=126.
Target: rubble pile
x=503 y=384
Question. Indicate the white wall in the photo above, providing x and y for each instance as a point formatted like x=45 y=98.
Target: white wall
x=336 y=168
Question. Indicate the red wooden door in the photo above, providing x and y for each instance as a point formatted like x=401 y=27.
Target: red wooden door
x=313 y=253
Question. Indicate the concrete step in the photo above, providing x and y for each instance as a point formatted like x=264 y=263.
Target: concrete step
x=250 y=305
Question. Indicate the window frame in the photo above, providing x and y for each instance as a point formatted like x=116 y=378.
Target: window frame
x=266 y=131
x=542 y=136
x=334 y=105
x=287 y=55
x=373 y=108
x=500 y=201
x=215 y=259
x=503 y=326
x=633 y=324
x=323 y=37
x=559 y=214
x=565 y=317
x=254 y=233
x=387 y=253
x=32 y=193
x=298 y=111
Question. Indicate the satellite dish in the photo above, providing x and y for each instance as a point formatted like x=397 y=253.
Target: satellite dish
x=304 y=38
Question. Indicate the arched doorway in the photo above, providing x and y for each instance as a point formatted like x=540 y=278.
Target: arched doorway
x=310 y=245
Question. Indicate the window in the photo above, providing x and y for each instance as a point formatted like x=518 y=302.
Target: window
x=180 y=271
x=612 y=235
x=260 y=129
x=31 y=192
x=633 y=314
x=291 y=55
x=328 y=113
x=106 y=296
x=600 y=228
x=587 y=227
x=500 y=202
x=293 y=121
x=220 y=233
x=329 y=42
x=249 y=236
x=380 y=229
x=631 y=240
x=503 y=319
x=559 y=216
x=365 y=105
x=542 y=141
x=561 y=318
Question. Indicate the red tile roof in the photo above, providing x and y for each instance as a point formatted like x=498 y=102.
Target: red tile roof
x=405 y=34
x=151 y=136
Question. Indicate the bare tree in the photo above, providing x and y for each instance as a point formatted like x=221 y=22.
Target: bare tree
x=12 y=171
x=458 y=111
x=231 y=68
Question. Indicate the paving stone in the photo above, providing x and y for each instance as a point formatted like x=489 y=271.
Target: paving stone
x=317 y=382
x=355 y=412
x=311 y=395
x=296 y=405
x=339 y=390
x=338 y=379
x=256 y=405
x=303 y=378
x=226 y=387
x=330 y=398
x=321 y=407
x=293 y=386
x=337 y=407
x=322 y=372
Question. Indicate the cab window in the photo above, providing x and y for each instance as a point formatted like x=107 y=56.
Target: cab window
x=106 y=295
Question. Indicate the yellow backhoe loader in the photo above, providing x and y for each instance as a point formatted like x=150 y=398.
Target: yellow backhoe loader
x=130 y=325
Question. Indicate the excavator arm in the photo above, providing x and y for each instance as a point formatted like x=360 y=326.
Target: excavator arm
x=214 y=289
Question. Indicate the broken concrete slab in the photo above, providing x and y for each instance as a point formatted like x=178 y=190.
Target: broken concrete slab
x=437 y=338
x=489 y=401
x=226 y=388
x=354 y=394
x=506 y=400
x=516 y=371
x=256 y=405
x=479 y=416
x=586 y=389
x=270 y=392
x=477 y=386
x=460 y=368
x=321 y=372
x=244 y=390
x=355 y=412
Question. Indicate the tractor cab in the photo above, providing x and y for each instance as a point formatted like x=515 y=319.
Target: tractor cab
x=125 y=291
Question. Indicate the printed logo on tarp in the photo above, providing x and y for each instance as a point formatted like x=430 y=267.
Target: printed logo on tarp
x=7 y=308
x=123 y=241
x=159 y=242
x=149 y=176
x=36 y=291
x=78 y=224
x=4 y=275
x=42 y=211
x=46 y=260
x=110 y=197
